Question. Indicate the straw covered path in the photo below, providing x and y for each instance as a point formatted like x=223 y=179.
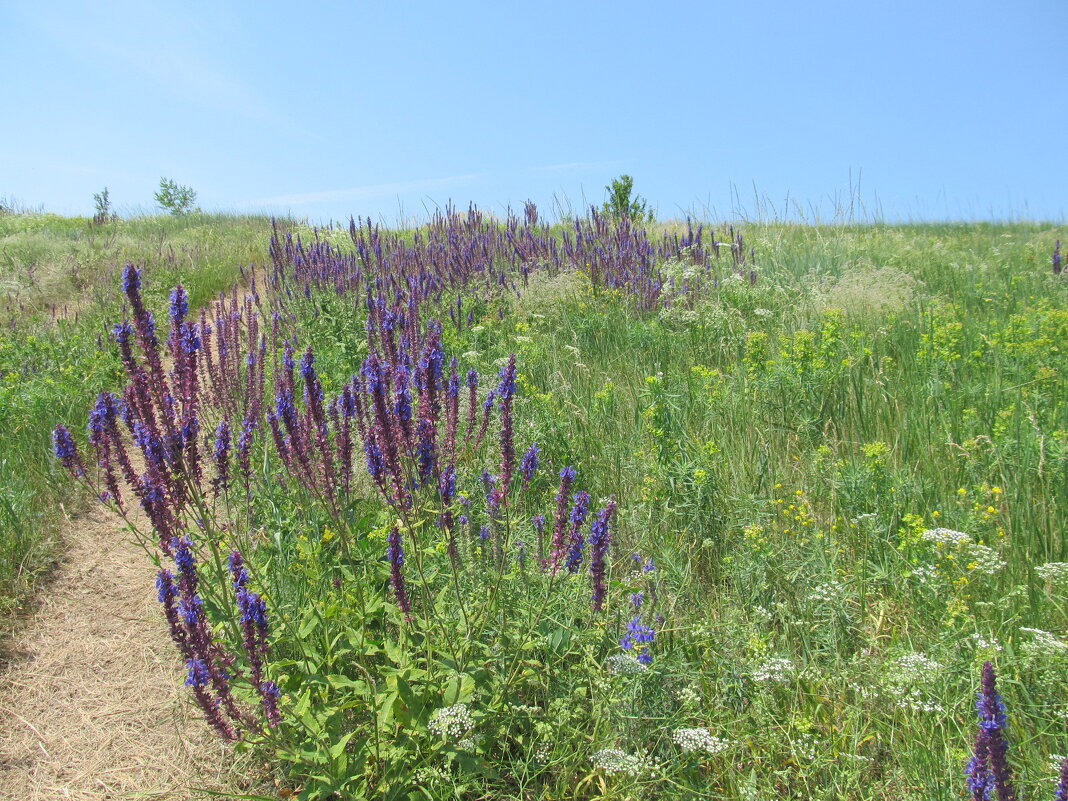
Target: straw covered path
x=92 y=704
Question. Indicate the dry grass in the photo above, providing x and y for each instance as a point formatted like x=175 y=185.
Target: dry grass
x=93 y=705
x=867 y=291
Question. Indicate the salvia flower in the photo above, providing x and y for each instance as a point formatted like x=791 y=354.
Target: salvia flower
x=179 y=303
x=576 y=540
x=395 y=554
x=600 y=539
x=528 y=465
x=67 y=451
x=989 y=766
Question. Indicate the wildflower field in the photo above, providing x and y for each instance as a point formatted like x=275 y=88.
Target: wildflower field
x=505 y=509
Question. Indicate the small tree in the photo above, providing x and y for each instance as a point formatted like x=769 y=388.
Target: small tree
x=620 y=204
x=104 y=214
x=175 y=198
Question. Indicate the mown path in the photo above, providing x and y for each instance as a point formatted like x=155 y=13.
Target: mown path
x=92 y=705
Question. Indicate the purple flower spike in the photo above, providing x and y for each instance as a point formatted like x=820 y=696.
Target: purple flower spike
x=67 y=451
x=1057 y=258
x=395 y=553
x=131 y=279
x=528 y=465
x=600 y=539
x=179 y=304
x=989 y=767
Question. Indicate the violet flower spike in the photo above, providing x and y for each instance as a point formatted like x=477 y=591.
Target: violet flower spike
x=395 y=554
x=528 y=465
x=67 y=451
x=600 y=539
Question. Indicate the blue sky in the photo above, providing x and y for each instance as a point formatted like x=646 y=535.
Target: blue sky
x=935 y=110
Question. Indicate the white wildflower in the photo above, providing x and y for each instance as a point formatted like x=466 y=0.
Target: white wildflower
x=983 y=644
x=945 y=536
x=1053 y=572
x=691 y=740
x=688 y=697
x=984 y=560
x=925 y=574
x=806 y=746
x=763 y=312
x=1043 y=643
x=776 y=669
x=613 y=760
x=829 y=592
x=451 y=722
x=911 y=668
x=623 y=665
x=915 y=700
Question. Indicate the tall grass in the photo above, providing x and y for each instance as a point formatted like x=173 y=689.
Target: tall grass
x=57 y=304
x=848 y=462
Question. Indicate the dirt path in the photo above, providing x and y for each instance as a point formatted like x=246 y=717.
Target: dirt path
x=92 y=706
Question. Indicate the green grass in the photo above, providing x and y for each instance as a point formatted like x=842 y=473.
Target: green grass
x=779 y=449
x=59 y=278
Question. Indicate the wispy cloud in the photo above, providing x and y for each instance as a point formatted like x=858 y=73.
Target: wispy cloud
x=369 y=191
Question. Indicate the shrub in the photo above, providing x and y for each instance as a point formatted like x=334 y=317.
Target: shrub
x=174 y=197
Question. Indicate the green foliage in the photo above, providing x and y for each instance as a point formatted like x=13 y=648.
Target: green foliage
x=57 y=286
x=786 y=452
x=175 y=198
x=621 y=205
x=102 y=202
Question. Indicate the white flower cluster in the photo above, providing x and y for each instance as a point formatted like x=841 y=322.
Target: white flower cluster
x=763 y=312
x=691 y=740
x=979 y=558
x=985 y=560
x=775 y=669
x=806 y=746
x=451 y=722
x=830 y=592
x=688 y=697
x=1053 y=572
x=925 y=574
x=945 y=536
x=613 y=761
x=912 y=668
x=1042 y=643
x=623 y=665
x=915 y=700
x=983 y=644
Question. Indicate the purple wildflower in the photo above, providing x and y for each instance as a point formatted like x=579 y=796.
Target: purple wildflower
x=528 y=465
x=600 y=539
x=567 y=477
x=1057 y=258
x=395 y=553
x=577 y=542
x=989 y=767
x=179 y=304
x=67 y=451
x=222 y=456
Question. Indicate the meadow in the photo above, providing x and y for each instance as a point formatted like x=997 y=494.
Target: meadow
x=591 y=509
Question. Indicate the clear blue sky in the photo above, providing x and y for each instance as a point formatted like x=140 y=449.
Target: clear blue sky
x=937 y=108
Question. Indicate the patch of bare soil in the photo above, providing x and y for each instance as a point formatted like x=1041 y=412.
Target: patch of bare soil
x=92 y=704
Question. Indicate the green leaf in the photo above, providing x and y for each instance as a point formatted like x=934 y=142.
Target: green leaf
x=338 y=748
